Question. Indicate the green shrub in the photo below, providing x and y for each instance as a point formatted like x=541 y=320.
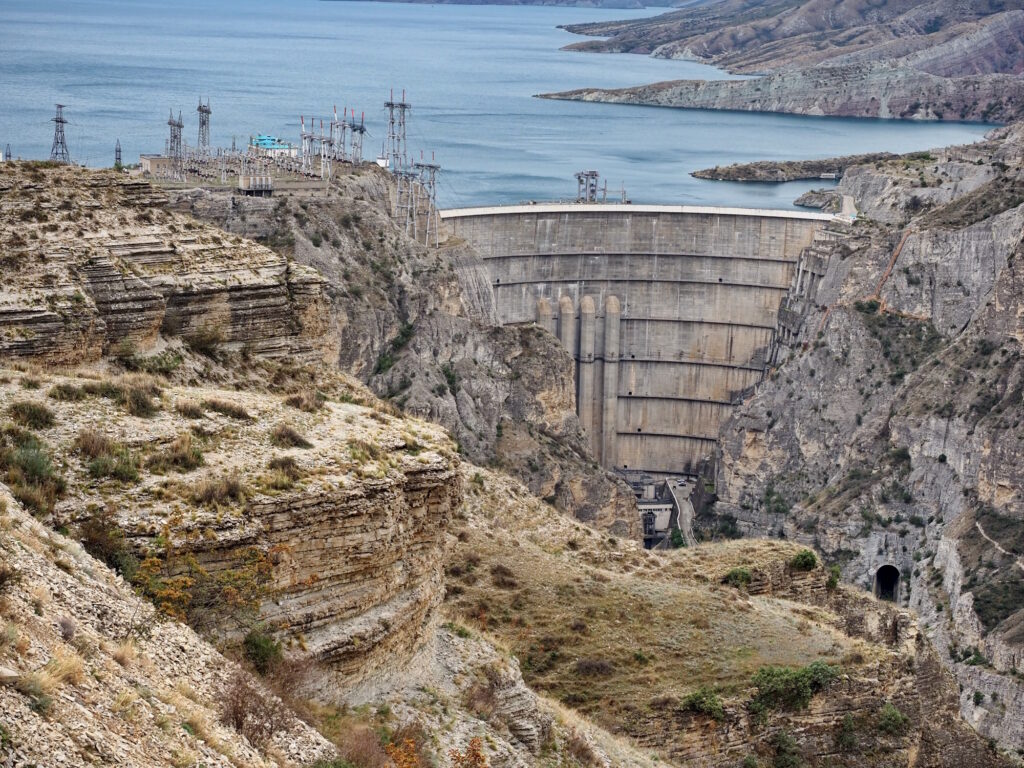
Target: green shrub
x=787 y=751
x=26 y=466
x=789 y=688
x=165 y=363
x=738 y=577
x=846 y=736
x=891 y=720
x=120 y=465
x=804 y=560
x=704 y=701
x=833 y=578
x=262 y=650
x=31 y=414
x=205 y=340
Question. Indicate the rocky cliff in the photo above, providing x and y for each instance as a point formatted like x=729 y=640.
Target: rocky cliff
x=418 y=325
x=669 y=649
x=336 y=517
x=888 y=437
x=875 y=90
x=792 y=170
x=910 y=60
x=92 y=260
x=90 y=675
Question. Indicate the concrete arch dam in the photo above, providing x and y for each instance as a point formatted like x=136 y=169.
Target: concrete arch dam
x=670 y=312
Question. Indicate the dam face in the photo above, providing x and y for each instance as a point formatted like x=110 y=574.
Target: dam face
x=670 y=312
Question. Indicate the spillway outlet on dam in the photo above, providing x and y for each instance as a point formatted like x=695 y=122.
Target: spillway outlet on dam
x=672 y=313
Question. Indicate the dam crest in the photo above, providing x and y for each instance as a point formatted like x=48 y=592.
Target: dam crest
x=672 y=313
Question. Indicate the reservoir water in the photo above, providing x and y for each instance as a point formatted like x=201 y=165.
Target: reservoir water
x=469 y=71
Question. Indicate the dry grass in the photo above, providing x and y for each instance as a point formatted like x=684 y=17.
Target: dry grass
x=308 y=400
x=106 y=457
x=227 y=408
x=31 y=414
x=213 y=491
x=125 y=653
x=92 y=444
x=285 y=436
x=66 y=668
x=124 y=704
x=605 y=627
x=66 y=392
x=137 y=392
x=190 y=409
x=183 y=455
x=251 y=712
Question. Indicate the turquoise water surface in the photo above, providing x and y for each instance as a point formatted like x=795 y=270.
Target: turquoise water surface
x=469 y=71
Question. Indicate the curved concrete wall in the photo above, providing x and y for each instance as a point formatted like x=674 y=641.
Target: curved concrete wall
x=670 y=312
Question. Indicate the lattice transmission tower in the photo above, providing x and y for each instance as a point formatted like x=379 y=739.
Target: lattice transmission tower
x=358 y=132
x=428 y=186
x=396 y=147
x=59 y=151
x=204 y=127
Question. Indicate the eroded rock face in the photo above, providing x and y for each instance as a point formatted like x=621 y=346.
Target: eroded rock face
x=418 y=325
x=879 y=90
x=135 y=671
x=905 y=59
x=352 y=535
x=891 y=436
x=92 y=260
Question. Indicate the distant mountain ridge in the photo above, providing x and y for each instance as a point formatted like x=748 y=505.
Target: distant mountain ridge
x=622 y=4
x=969 y=56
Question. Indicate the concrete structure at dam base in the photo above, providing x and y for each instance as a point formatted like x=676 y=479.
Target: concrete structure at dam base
x=672 y=313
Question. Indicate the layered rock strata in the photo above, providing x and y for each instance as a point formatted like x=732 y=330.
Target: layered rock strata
x=93 y=260
x=353 y=533
x=420 y=326
x=907 y=358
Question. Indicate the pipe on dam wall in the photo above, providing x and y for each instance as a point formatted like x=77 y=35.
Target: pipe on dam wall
x=585 y=402
x=567 y=325
x=678 y=311
x=610 y=388
x=545 y=317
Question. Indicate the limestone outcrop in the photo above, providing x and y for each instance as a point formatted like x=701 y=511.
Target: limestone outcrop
x=96 y=677
x=875 y=90
x=93 y=260
x=904 y=59
x=419 y=326
x=338 y=531
x=889 y=438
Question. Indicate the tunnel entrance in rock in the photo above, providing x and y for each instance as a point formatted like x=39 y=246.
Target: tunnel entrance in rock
x=887 y=583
